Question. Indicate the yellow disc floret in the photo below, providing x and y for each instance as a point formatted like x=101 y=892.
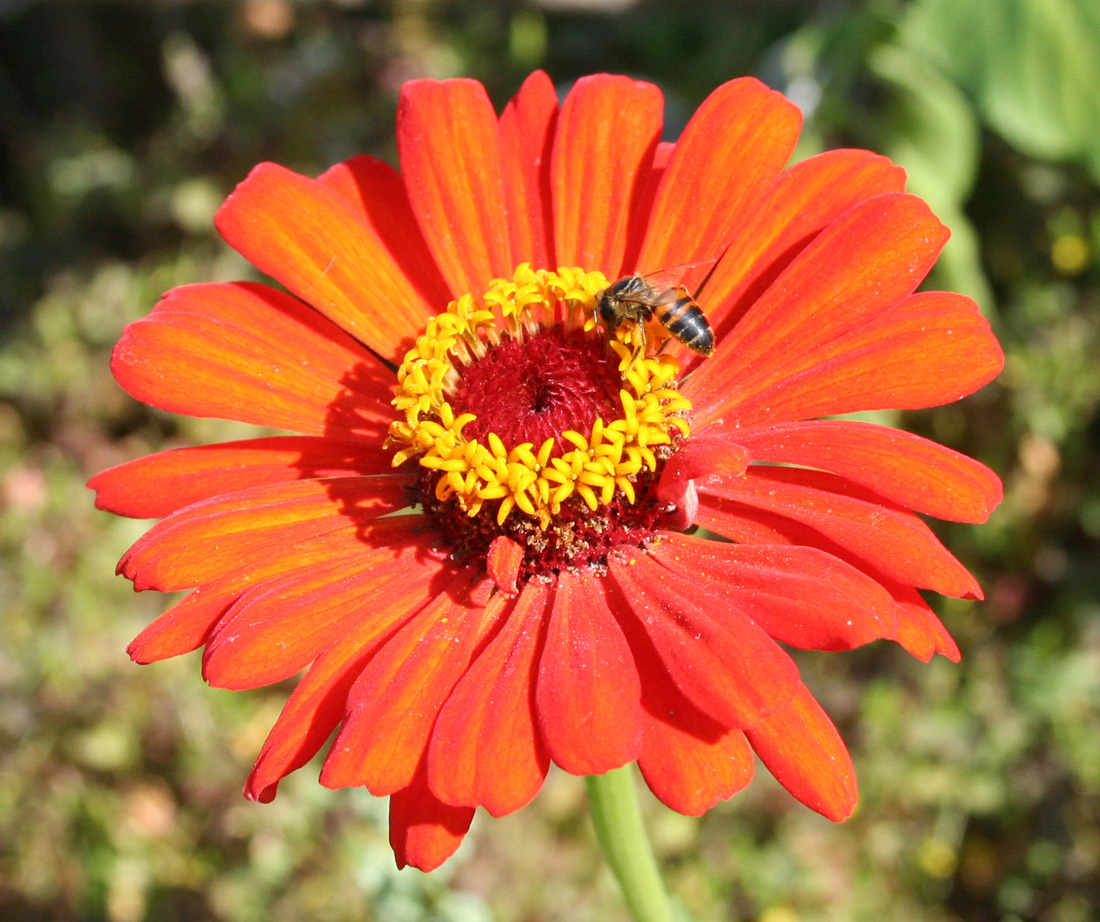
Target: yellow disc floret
x=536 y=480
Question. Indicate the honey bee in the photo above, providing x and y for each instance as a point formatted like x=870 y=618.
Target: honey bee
x=637 y=299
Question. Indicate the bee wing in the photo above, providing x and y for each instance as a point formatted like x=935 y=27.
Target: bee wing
x=673 y=276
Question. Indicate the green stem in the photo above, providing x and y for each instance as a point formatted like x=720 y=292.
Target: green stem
x=614 y=802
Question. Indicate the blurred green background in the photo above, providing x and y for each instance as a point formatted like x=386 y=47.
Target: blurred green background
x=123 y=125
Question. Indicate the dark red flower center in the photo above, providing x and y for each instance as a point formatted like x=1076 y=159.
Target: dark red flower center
x=532 y=425
x=537 y=388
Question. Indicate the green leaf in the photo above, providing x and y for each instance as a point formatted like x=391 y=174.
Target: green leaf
x=928 y=127
x=1032 y=66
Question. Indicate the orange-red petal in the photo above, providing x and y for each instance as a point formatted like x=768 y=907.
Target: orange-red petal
x=160 y=484
x=735 y=145
x=503 y=562
x=867 y=260
x=607 y=130
x=377 y=193
x=394 y=703
x=920 y=631
x=188 y=624
x=588 y=692
x=802 y=202
x=526 y=139
x=801 y=748
x=303 y=234
x=862 y=264
x=227 y=534
x=319 y=701
x=250 y=353
x=449 y=145
x=906 y=469
x=649 y=181
x=424 y=831
x=800 y=596
x=931 y=349
x=485 y=749
x=723 y=663
x=706 y=456
x=916 y=628
x=689 y=760
x=690 y=773
x=892 y=540
x=280 y=626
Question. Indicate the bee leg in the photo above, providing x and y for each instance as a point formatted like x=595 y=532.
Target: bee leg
x=606 y=335
x=640 y=344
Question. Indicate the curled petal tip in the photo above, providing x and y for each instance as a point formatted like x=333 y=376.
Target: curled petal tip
x=503 y=564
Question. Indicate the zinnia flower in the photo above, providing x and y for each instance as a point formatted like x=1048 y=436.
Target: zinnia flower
x=499 y=538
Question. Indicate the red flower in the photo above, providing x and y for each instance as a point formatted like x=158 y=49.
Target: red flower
x=484 y=563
